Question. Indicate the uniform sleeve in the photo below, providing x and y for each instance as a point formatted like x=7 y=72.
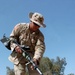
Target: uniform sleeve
x=39 y=48
x=14 y=36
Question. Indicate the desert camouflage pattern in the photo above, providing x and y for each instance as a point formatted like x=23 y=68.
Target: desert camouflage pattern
x=35 y=40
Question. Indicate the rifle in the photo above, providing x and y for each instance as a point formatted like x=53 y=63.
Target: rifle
x=6 y=41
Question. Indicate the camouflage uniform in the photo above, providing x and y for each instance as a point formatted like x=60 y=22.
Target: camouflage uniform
x=35 y=40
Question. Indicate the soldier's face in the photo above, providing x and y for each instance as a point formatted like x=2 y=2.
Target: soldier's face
x=34 y=26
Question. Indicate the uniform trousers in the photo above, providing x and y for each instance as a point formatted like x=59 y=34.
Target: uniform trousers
x=20 y=69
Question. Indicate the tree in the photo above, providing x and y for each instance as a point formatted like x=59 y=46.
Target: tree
x=48 y=67
x=55 y=67
x=58 y=66
x=10 y=71
x=71 y=74
x=45 y=64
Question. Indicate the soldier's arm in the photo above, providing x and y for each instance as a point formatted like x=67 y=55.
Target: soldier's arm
x=14 y=36
x=39 y=48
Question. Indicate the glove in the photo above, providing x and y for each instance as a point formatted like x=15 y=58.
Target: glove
x=18 y=49
x=36 y=61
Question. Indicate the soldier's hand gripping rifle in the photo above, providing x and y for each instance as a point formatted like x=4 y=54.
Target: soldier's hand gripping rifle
x=6 y=41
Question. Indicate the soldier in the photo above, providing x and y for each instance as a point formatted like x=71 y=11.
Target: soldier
x=27 y=34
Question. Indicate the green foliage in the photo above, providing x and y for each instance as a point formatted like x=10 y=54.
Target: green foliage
x=55 y=67
x=10 y=71
x=58 y=66
x=48 y=67
x=71 y=74
x=45 y=64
